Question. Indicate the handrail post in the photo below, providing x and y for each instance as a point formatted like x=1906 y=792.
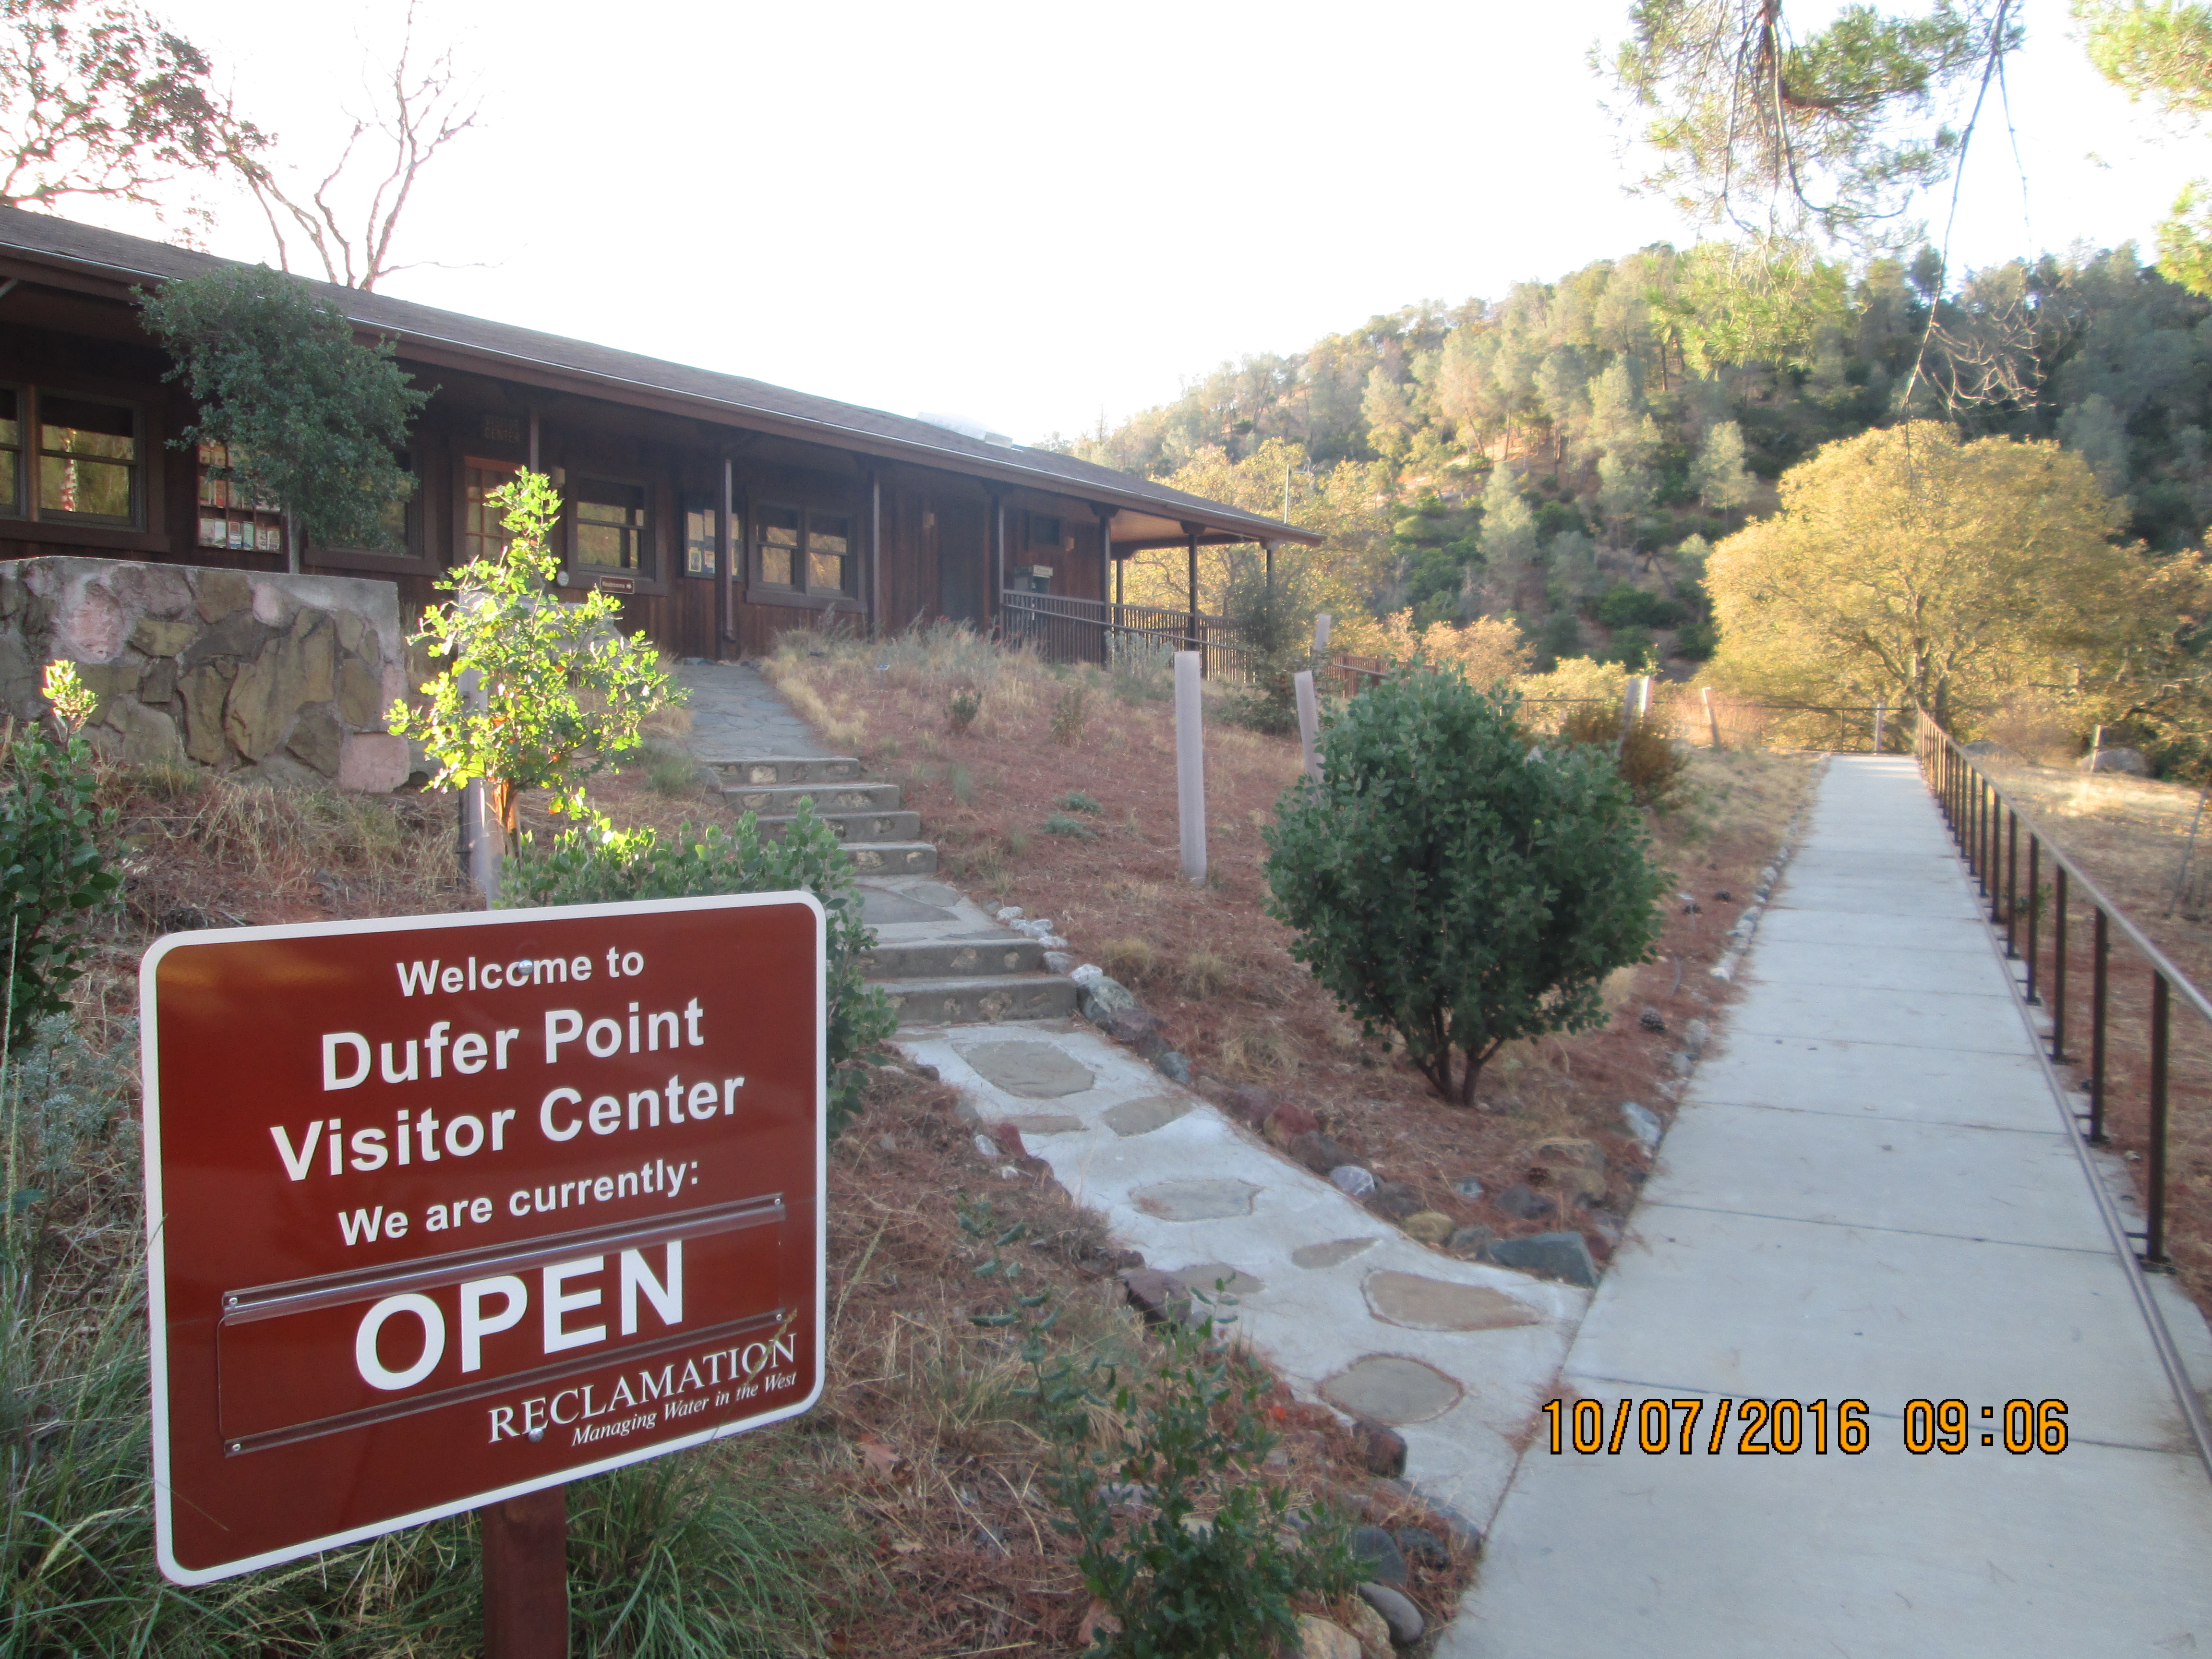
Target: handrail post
x=2035 y=910
x=2155 y=1220
x=2058 y=886
x=2012 y=882
x=2100 y=957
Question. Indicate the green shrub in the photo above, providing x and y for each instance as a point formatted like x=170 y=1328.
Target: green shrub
x=53 y=876
x=1060 y=823
x=1453 y=883
x=1184 y=1580
x=1626 y=605
x=1076 y=801
x=1181 y=1583
x=961 y=708
x=590 y=865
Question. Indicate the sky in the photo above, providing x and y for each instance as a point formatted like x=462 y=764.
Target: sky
x=1038 y=217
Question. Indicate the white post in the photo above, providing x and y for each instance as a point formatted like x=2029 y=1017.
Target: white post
x=1190 y=764
x=1321 y=632
x=1712 y=720
x=1644 y=695
x=1881 y=708
x=1309 y=721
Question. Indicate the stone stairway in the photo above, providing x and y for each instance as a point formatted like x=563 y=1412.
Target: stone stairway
x=940 y=958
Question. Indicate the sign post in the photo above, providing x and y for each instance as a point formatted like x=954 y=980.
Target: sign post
x=445 y=1212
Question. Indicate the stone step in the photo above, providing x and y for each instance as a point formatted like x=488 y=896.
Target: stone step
x=789 y=768
x=893 y=858
x=852 y=826
x=956 y=958
x=981 y=1001
x=784 y=798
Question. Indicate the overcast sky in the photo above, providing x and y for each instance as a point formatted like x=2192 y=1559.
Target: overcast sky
x=1034 y=215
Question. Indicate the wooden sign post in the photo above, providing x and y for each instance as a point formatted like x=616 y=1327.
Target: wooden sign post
x=445 y=1212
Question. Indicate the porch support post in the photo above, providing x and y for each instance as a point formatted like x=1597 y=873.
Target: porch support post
x=1191 y=533
x=726 y=553
x=996 y=567
x=874 y=588
x=1109 y=579
x=1268 y=547
x=534 y=438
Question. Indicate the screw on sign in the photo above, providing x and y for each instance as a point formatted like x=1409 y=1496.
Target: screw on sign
x=446 y=1211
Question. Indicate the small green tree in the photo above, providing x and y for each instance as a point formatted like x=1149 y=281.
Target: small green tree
x=308 y=419
x=1457 y=883
x=562 y=690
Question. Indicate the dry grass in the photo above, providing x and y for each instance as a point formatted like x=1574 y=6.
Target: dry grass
x=1211 y=962
x=923 y=1447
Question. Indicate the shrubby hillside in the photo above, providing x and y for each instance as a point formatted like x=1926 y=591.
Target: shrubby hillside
x=1567 y=454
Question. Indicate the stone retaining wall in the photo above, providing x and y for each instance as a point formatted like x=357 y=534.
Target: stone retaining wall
x=283 y=678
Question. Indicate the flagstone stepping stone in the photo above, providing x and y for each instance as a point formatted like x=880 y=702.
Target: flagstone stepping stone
x=1206 y=1274
x=1195 y=1200
x=1336 y=1252
x=1034 y=1071
x=1141 y=1117
x=1392 y=1389
x=1046 y=1123
x=1420 y=1303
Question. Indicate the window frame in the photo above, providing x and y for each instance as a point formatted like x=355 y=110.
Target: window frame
x=411 y=558
x=144 y=481
x=645 y=577
x=21 y=509
x=760 y=591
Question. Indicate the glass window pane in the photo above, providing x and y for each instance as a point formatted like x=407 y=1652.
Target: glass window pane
x=825 y=571
x=97 y=488
x=603 y=547
x=775 y=566
x=72 y=426
x=11 y=431
x=826 y=536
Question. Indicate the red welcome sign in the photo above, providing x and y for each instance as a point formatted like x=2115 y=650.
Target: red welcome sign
x=446 y=1209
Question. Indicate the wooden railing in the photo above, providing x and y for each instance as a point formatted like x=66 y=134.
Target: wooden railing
x=1061 y=629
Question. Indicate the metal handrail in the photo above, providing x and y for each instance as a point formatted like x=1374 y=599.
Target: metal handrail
x=1987 y=822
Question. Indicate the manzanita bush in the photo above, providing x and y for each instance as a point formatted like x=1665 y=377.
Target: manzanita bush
x=1455 y=881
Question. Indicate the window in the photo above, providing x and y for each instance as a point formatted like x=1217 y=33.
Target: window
x=829 y=551
x=805 y=550
x=702 y=533
x=88 y=460
x=1044 y=531
x=483 y=534
x=227 y=518
x=11 y=452
x=609 y=526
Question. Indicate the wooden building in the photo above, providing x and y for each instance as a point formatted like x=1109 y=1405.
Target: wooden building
x=722 y=509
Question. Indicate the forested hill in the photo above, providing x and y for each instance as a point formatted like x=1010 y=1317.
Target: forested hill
x=1567 y=454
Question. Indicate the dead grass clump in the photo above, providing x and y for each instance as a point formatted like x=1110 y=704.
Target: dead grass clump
x=1201 y=973
x=1128 y=959
x=203 y=850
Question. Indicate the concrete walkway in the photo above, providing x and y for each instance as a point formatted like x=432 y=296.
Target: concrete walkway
x=1869 y=1192
x=737 y=715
